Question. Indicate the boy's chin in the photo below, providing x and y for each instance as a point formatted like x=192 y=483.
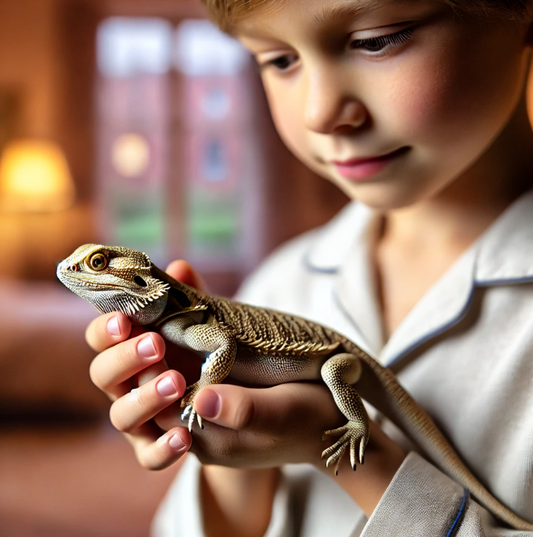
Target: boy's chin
x=380 y=197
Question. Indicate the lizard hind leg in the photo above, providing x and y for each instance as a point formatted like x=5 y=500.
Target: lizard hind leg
x=339 y=373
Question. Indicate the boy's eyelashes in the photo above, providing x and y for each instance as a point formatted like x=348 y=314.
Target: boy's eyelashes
x=373 y=46
x=383 y=43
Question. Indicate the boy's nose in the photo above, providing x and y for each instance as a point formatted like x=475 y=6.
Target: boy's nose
x=330 y=108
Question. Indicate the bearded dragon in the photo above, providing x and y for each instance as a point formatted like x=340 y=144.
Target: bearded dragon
x=264 y=347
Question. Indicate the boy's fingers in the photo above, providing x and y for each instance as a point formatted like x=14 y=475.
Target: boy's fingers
x=119 y=363
x=107 y=330
x=263 y=410
x=170 y=417
x=166 y=450
x=141 y=404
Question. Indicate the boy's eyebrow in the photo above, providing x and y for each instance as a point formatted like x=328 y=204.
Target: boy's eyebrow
x=350 y=8
x=325 y=15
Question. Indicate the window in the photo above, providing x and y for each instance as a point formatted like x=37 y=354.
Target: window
x=133 y=131
x=176 y=142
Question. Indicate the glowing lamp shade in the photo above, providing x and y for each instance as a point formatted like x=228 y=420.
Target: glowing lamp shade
x=34 y=176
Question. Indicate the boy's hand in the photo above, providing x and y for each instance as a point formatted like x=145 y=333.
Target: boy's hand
x=284 y=424
x=264 y=427
x=131 y=371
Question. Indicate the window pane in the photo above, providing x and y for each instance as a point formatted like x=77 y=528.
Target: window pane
x=217 y=135
x=133 y=105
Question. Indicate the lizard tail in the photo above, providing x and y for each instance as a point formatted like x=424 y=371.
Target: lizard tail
x=411 y=418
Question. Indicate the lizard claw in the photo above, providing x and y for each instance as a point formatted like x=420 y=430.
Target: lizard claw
x=352 y=435
x=186 y=412
x=189 y=415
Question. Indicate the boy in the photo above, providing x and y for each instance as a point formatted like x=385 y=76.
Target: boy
x=416 y=109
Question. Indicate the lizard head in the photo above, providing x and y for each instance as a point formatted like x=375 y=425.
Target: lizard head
x=113 y=278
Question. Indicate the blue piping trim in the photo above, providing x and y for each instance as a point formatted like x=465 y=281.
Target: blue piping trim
x=509 y=281
x=438 y=331
x=461 y=315
x=460 y=514
x=309 y=266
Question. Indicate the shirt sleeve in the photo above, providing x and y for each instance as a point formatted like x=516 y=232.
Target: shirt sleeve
x=307 y=503
x=180 y=513
x=422 y=501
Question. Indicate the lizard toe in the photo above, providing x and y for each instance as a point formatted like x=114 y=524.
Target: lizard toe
x=352 y=435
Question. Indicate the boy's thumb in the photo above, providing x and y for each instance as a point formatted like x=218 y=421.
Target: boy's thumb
x=232 y=406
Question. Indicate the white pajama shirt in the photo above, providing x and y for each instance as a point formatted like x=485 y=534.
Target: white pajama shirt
x=464 y=352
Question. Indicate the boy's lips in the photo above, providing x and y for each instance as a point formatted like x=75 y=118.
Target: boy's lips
x=359 y=169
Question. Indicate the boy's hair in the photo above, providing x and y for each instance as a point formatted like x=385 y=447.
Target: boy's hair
x=226 y=13
x=508 y=9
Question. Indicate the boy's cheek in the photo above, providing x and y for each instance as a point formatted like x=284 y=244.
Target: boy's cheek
x=436 y=103
x=425 y=95
x=282 y=111
x=289 y=122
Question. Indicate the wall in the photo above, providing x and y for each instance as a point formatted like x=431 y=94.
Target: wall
x=29 y=61
x=47 y=60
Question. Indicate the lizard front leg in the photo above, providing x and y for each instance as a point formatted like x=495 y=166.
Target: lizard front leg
x=210 y=338
x=339 y=373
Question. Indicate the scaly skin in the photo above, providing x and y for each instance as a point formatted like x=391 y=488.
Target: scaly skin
x=264 y=347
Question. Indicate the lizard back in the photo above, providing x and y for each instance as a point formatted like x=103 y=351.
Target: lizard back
x=273 y=332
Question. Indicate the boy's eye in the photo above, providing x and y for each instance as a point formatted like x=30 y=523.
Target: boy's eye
x=282 y=63
x=381 y=43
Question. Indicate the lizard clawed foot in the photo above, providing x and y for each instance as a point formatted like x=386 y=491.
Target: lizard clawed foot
x=191 y=414
x=187 y=404
x=353 y=434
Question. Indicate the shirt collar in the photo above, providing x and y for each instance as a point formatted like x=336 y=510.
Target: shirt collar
x=334 y=240
x=505 y=251
x=502 y=255
x=342 y=249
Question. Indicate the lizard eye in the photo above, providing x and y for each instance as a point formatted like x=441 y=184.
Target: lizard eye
x=98 y=262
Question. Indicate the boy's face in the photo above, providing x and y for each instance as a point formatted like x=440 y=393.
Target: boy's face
x=392 y=100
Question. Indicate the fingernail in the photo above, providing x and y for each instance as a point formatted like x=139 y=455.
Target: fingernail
x=166 y=386
x=209 y=404
x=113 y=326
x=175 y=442
x=146 y=347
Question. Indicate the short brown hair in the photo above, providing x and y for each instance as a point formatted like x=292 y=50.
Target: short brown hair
x=518 y=10
x=226 y=13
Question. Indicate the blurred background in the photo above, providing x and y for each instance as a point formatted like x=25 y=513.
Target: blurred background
x=131 y=122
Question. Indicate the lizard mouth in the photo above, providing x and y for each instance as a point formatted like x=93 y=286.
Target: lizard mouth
x=72 y=279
